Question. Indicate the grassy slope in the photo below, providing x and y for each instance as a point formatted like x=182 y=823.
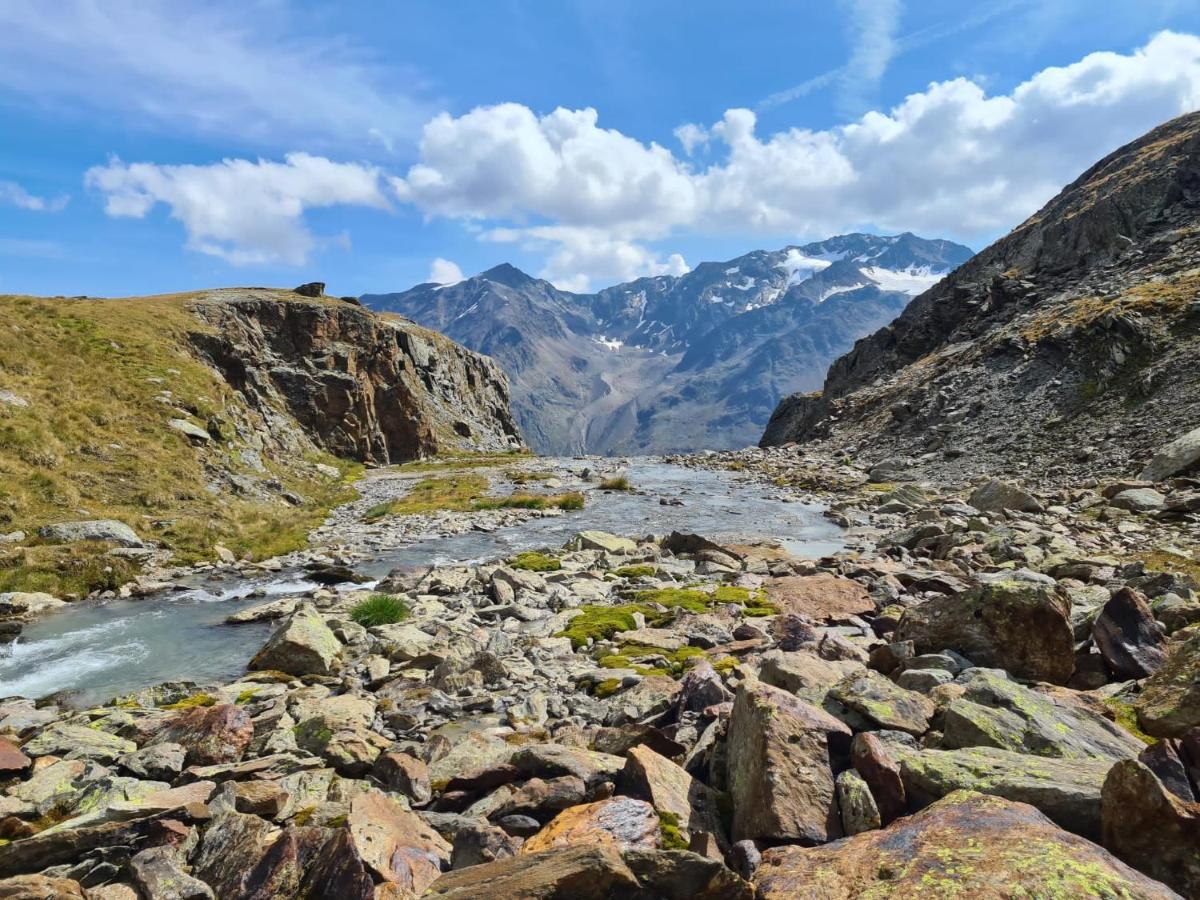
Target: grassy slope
x=94 y=442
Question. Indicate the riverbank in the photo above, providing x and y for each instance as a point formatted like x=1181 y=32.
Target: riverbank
x=980 y=675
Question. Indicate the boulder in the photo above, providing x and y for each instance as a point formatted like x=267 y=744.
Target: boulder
x=621 y=821
x=823 y=596
x=395 y=844
x=780 y=777
x=1127 y=636
x=397 y=771
x=881 y=773
x=78 y=742
x=602 y=540
x=884 y=704
x=680 y=875
x=1142 y=500
x=190 y=430
x=802 y=672
x=109 y=530
x=1020 y=625
x=997 y=496
x=303 y=645
x=1173 y=458
x=579 y=872
x=161 y=875
x=551 y=760
x=1150 y=828
x=1169 y=702
x=210 y=735
x=1067 y=791
x=965 y=845
x=683 y=801
x=338 y=729
x=857 y=805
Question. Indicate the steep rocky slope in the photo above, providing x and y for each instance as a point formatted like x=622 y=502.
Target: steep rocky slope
x=1070 y=345
x=676 y=363
x=225 y=417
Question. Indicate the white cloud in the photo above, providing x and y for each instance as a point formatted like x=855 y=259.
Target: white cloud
x=872 y=28
x=243 y=69
x=443 y=271
x=244 y=212
x=12 y=194
x=949 y=160
x=692 y=136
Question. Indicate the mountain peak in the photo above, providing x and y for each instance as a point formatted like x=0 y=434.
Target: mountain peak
x=509 y=275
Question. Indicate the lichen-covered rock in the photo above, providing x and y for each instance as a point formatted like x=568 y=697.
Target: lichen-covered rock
x=303 y=645
x=883 y=703
x=881 y=773
x=210 y=735
x=1169 y=703
x=109 y=530
x=857 y=805
x=1067 y=791
x=1150 y=828
x=780 y=778
x=622 y=821
x=78 y=742
x=580 y=872
x=1023 y=626
x=967 y=845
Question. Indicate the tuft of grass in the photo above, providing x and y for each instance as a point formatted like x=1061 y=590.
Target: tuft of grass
x=533 y=561
x=572 y=500
x=639 y=571
x=619 y=483
x=449 y=462
x=448 y=492
x=519 y=476
x=379 y=609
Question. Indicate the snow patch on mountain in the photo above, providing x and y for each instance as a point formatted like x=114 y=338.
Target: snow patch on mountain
x=913 y=280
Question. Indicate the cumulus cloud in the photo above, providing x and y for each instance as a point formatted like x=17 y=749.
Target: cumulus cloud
x=241 y=211
x=12 y=194
x=443 y=271
x=949 y=160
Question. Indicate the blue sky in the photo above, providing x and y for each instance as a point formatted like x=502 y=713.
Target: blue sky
x=154 y=146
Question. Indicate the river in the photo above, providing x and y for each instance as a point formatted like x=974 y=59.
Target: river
x=101 y=650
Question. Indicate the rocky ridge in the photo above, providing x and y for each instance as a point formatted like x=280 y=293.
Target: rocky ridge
x=667 y=717
x=1067 y=348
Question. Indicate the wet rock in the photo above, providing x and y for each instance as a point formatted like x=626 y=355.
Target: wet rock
x=979 y=846
x=780 y=779
x=883 y=703
x=1128 y=637
x=109 y=530
x=680 y=875
x=578 y=872
x=1019 y=625
x=857 y=805
x=160 y=875
x=1169 y=702
x=689 y=804
x=622 y=821
x=210 y=735
x=1150 y=828
x=1067 y=791
x=304 y=645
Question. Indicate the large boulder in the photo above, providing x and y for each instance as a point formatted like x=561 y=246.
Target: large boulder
x=884 y=704
x=1127 y=636
x=602 y=540
x=994 y=711
x=109 y=530
x=1022 y=625
x=997 y=496
x=303 y=645
x=822 y=596
x=688 y=804
x=1169 y=703
x=1178 y=456
x=965 y=845
x=581 y=872
x=210 y=735
x=1150 y=828
x=780 y=774
x=622 y=821
x=1068 y=791
x=395 y=844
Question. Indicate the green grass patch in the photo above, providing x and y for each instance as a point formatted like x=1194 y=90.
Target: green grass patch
x=1166 y=561
x=520 y=476
x=379 y=609
x=650 y=660
x=640 y=571
x=65 y=571
x=619 y=483
x=572 y=500
x=447 y=492
x=533 y=561
x=696 y=600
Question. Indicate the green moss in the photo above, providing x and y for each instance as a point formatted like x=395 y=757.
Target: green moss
x=627 y=656
x=693 y=599
x=608 y=687
x=192 y=702
x=448 y=492
x=725 y=664
x=303 y=816
x=533 y=561
x=337 y=821
x=1125 y=716
x=313 y=734
x=595 y=622
x=669 y=832
x=246 y=696
x=379 y=609
x=639 y=571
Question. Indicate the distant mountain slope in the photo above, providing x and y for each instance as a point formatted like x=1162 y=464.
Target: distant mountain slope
x=1070 y=344
x=677 y=363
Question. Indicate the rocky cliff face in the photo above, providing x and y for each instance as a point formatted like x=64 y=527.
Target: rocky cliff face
x=358 y=384
x=1069 y=344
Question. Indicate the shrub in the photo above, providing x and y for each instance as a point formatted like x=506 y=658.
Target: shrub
x=379 y=609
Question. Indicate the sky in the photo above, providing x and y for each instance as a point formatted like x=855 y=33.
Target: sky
x=151 y=147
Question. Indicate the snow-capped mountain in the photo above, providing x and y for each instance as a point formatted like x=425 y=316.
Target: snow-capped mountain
x=678 y=362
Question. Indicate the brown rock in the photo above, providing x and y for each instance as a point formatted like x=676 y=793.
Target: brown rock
x=405 y=775
x=779 y=769
x=230 y=847
x=39 y=887
x=881 y=772
x=262 y=798
x=680 y=875
x=212 y=735
x=486 y=779
x=621 y=821
x=822 y=596
x=542 y=798
x=571 y=873
x=975 y=846
x=395 y=844
x=1150 y=828
x=12 y=761
x=280 y=871
x=1128 y=637
x=337 y=871
x=691 y=803
x=161 y=875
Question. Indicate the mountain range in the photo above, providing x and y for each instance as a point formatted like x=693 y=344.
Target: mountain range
x=671 y=363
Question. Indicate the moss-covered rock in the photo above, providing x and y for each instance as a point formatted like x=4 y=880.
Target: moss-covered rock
x=1169 y=703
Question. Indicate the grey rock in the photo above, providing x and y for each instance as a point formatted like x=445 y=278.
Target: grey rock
x=109 y=530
